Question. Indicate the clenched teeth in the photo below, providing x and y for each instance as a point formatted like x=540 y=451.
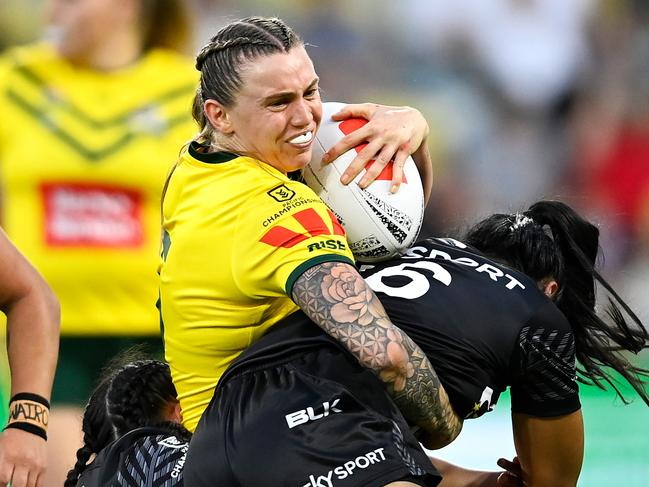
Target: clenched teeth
x=302 y=139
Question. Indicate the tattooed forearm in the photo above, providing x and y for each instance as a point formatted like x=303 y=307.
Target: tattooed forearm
x=443 y=425
x=337 y=298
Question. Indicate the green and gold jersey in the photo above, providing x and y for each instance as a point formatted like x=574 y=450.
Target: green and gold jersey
x=237 y=235
x=83 y=158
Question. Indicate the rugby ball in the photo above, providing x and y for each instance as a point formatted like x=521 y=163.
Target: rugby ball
x=379 y=225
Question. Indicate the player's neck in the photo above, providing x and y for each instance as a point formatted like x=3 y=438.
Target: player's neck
x=118 y=52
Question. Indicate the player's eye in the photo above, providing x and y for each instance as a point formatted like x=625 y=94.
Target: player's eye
x=312 y=92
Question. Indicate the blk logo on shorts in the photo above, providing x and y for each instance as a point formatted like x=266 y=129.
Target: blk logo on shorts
x=281 y=193
x=309 y=414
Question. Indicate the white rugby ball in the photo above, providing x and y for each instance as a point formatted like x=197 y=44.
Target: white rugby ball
x=379 y=224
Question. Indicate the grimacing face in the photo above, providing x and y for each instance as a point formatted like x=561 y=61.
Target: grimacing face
x=277 y=111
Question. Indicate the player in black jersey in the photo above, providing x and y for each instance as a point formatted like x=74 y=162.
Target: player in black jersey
x=132 y=425
x=512 y=306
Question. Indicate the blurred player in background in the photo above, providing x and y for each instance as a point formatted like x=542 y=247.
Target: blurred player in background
x=91 y=121
x=33 y=318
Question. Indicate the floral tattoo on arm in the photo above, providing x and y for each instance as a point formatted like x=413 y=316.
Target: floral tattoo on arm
x=337 y=298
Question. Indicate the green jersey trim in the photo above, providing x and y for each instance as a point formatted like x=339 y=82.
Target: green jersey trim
x=304 y=266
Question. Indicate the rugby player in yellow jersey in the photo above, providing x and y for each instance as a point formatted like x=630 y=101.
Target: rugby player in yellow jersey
x=90 y=125
x=244 y=245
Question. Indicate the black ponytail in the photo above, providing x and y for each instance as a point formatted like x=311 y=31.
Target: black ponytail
x=550 y=240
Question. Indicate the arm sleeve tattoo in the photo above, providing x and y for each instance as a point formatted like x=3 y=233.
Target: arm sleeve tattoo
x=336 y=297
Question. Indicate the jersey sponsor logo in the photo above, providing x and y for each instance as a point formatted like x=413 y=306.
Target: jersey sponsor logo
x=312 y=223
x=494 y=273
x=327 y=244
x=288 y=207
x=309 y=414
x=177 y=471
x=347 y=469
x=92 y=215
x=281 y=193
x=350 y=125
x=418 y=273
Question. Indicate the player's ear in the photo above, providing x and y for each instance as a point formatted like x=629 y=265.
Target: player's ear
x=550 y=287
x=173 y=412
x=218 y=116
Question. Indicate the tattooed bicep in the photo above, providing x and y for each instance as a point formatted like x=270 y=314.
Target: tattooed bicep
x=331 y=281
x=334 y=293
x=337 y=298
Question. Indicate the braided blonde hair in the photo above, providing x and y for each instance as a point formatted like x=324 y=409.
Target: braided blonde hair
x=221 y=60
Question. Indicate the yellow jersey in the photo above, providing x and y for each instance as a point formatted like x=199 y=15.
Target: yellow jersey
x=83 y=159
x=237 y=235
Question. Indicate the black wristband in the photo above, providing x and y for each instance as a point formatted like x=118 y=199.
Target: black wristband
x=30 y=428
x=30 y=413
x=30 y=396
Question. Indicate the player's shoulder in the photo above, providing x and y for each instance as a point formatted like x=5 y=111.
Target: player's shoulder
x=455 y=253
x=469 y=271
x=460 y=253
x=258 y=188
x=169 y=57
x=24 y=58
x=173 y=65
x=166 y=436
x=139 y=451
x=237 y=173
x=27 y=54
x=431 y=246
x=267 y=187
x=441 y=244
x=549 y=317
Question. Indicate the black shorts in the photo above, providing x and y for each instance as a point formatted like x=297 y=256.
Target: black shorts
x=314 y=420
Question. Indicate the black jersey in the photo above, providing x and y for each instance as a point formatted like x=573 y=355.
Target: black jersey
x=149 y=456
x=483 y=326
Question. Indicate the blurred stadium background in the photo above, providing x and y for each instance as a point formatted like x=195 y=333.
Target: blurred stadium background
x=526 y=99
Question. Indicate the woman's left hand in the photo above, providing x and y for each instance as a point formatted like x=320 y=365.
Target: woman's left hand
x=392 y=134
